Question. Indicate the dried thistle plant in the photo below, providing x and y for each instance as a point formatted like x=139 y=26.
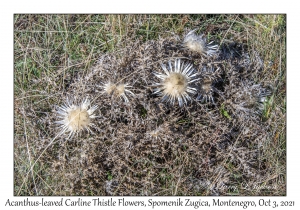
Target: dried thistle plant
x=250 y=98
x=139 y=138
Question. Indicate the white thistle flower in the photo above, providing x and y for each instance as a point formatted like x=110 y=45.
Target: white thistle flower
x=198 y=44
x=117 y=91
x=176 y=83
x=75 y=118
x=209 y=76
x=206 y=90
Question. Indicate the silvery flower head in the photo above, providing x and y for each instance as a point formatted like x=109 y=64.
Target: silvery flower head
x=75 y=118
x=197 y=43
x=176 y=82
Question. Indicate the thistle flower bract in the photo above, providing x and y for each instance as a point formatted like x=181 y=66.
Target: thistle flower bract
x=109 y=87
x=198 y=44
x=118 y=91
x=75 y=118
x=176 y=83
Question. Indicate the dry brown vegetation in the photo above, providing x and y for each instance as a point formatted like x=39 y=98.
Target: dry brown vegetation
x=234 y=146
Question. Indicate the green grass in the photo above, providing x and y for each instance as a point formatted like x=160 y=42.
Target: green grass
x=224 y=112
x=61 y=47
